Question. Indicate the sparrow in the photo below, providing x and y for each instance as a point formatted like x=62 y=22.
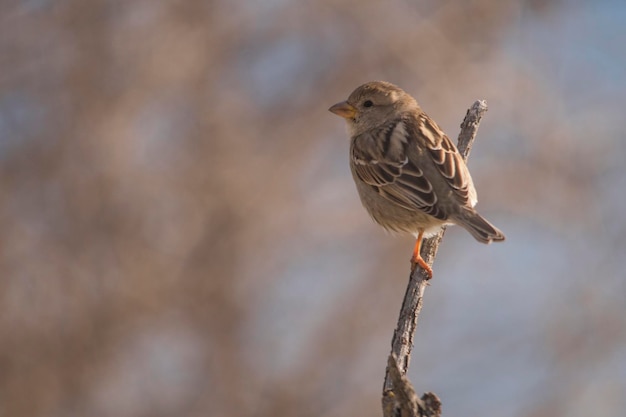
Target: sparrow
x=409 y=175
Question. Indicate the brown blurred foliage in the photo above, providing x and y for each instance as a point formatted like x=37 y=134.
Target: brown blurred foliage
x=180 y=235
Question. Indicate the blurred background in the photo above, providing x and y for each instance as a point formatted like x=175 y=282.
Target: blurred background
x=181 y=236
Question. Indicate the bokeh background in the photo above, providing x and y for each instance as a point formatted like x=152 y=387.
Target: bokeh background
x=180 y=234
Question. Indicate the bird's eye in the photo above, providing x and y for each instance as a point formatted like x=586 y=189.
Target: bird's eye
x=368 y=103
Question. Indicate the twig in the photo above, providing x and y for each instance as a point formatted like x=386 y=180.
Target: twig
x=396 y=401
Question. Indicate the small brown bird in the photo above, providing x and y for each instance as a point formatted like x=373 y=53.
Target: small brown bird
x=409 y=175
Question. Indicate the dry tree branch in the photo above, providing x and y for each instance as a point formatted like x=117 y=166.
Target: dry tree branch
x=399 y=398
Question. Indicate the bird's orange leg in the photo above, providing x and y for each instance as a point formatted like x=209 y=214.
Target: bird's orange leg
x=417 y=259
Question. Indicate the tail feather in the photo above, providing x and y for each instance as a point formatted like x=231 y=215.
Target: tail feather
x=479 y=227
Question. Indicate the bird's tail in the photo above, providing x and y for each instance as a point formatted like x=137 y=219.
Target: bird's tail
x=479 y=227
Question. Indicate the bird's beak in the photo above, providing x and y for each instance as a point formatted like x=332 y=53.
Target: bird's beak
x=343 y=109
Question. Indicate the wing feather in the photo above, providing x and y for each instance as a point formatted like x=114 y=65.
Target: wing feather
x=448 y=161
x=380 y=159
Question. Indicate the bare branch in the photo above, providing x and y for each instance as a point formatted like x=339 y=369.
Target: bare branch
x=397 y=388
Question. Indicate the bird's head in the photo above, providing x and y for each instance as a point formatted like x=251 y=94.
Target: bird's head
x=372 y=105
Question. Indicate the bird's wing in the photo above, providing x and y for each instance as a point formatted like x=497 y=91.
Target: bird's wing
x=446 y=157
x=381 y=159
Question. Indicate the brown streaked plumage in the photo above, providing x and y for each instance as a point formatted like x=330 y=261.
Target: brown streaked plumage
x=409 y=175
